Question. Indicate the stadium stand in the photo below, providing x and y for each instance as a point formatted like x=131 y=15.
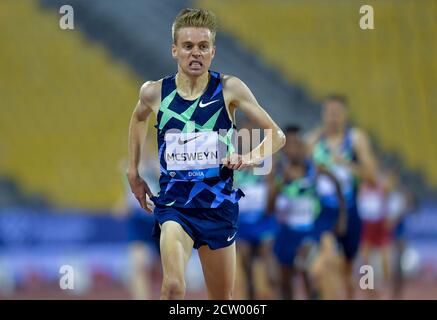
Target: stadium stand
x=65 y=109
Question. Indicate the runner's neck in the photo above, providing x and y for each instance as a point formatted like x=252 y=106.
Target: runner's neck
x=335 y=133
x=190 y=88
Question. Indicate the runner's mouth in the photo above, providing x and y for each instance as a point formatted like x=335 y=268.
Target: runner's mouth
x=195 y=64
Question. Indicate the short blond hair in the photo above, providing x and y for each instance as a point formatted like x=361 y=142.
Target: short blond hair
x=198 y=18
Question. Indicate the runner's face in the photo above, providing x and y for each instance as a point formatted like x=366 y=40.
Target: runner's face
x=391 y=180
x=333 y=114
x=294 y=148
x=194 y=50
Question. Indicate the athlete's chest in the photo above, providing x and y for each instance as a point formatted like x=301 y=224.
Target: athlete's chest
x=329 y=150
x=299 y=186
x=334 y=145
x=203 y=114
x=294 y=173
x=206 y=113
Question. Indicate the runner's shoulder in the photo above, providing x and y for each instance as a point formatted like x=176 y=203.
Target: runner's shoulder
x=312 y=137
x=150 y=92
x=231 y=83
x=359 y=135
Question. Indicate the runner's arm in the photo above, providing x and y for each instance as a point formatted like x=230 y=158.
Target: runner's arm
x=341 y=225
x=240 y=96
x=149 y=95
x=273 y=187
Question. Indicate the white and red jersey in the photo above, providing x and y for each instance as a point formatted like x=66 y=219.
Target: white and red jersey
x=372 y=202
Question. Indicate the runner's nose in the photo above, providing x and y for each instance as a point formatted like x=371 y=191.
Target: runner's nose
x=196 y=52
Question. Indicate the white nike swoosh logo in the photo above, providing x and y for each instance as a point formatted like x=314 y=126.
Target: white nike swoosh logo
x=202 y=105
x=230 y=238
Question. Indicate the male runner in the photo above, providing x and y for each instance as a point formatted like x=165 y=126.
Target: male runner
x=196 y=206
x=347 y=153
x=297 y=205
x=375 y=236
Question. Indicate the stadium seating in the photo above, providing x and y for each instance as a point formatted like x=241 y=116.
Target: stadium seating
x=65 y=109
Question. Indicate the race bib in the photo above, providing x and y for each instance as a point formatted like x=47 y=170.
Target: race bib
x=396 y=204
x=344 y=175
x=325 y=186
x=371 y=206
x=299 y=213
x=192 y=151
x=254 y=199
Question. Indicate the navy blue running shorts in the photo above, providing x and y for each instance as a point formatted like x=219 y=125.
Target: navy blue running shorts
x=214 y=227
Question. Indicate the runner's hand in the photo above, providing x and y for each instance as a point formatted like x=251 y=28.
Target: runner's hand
x=142 y=192
x=236 y=161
